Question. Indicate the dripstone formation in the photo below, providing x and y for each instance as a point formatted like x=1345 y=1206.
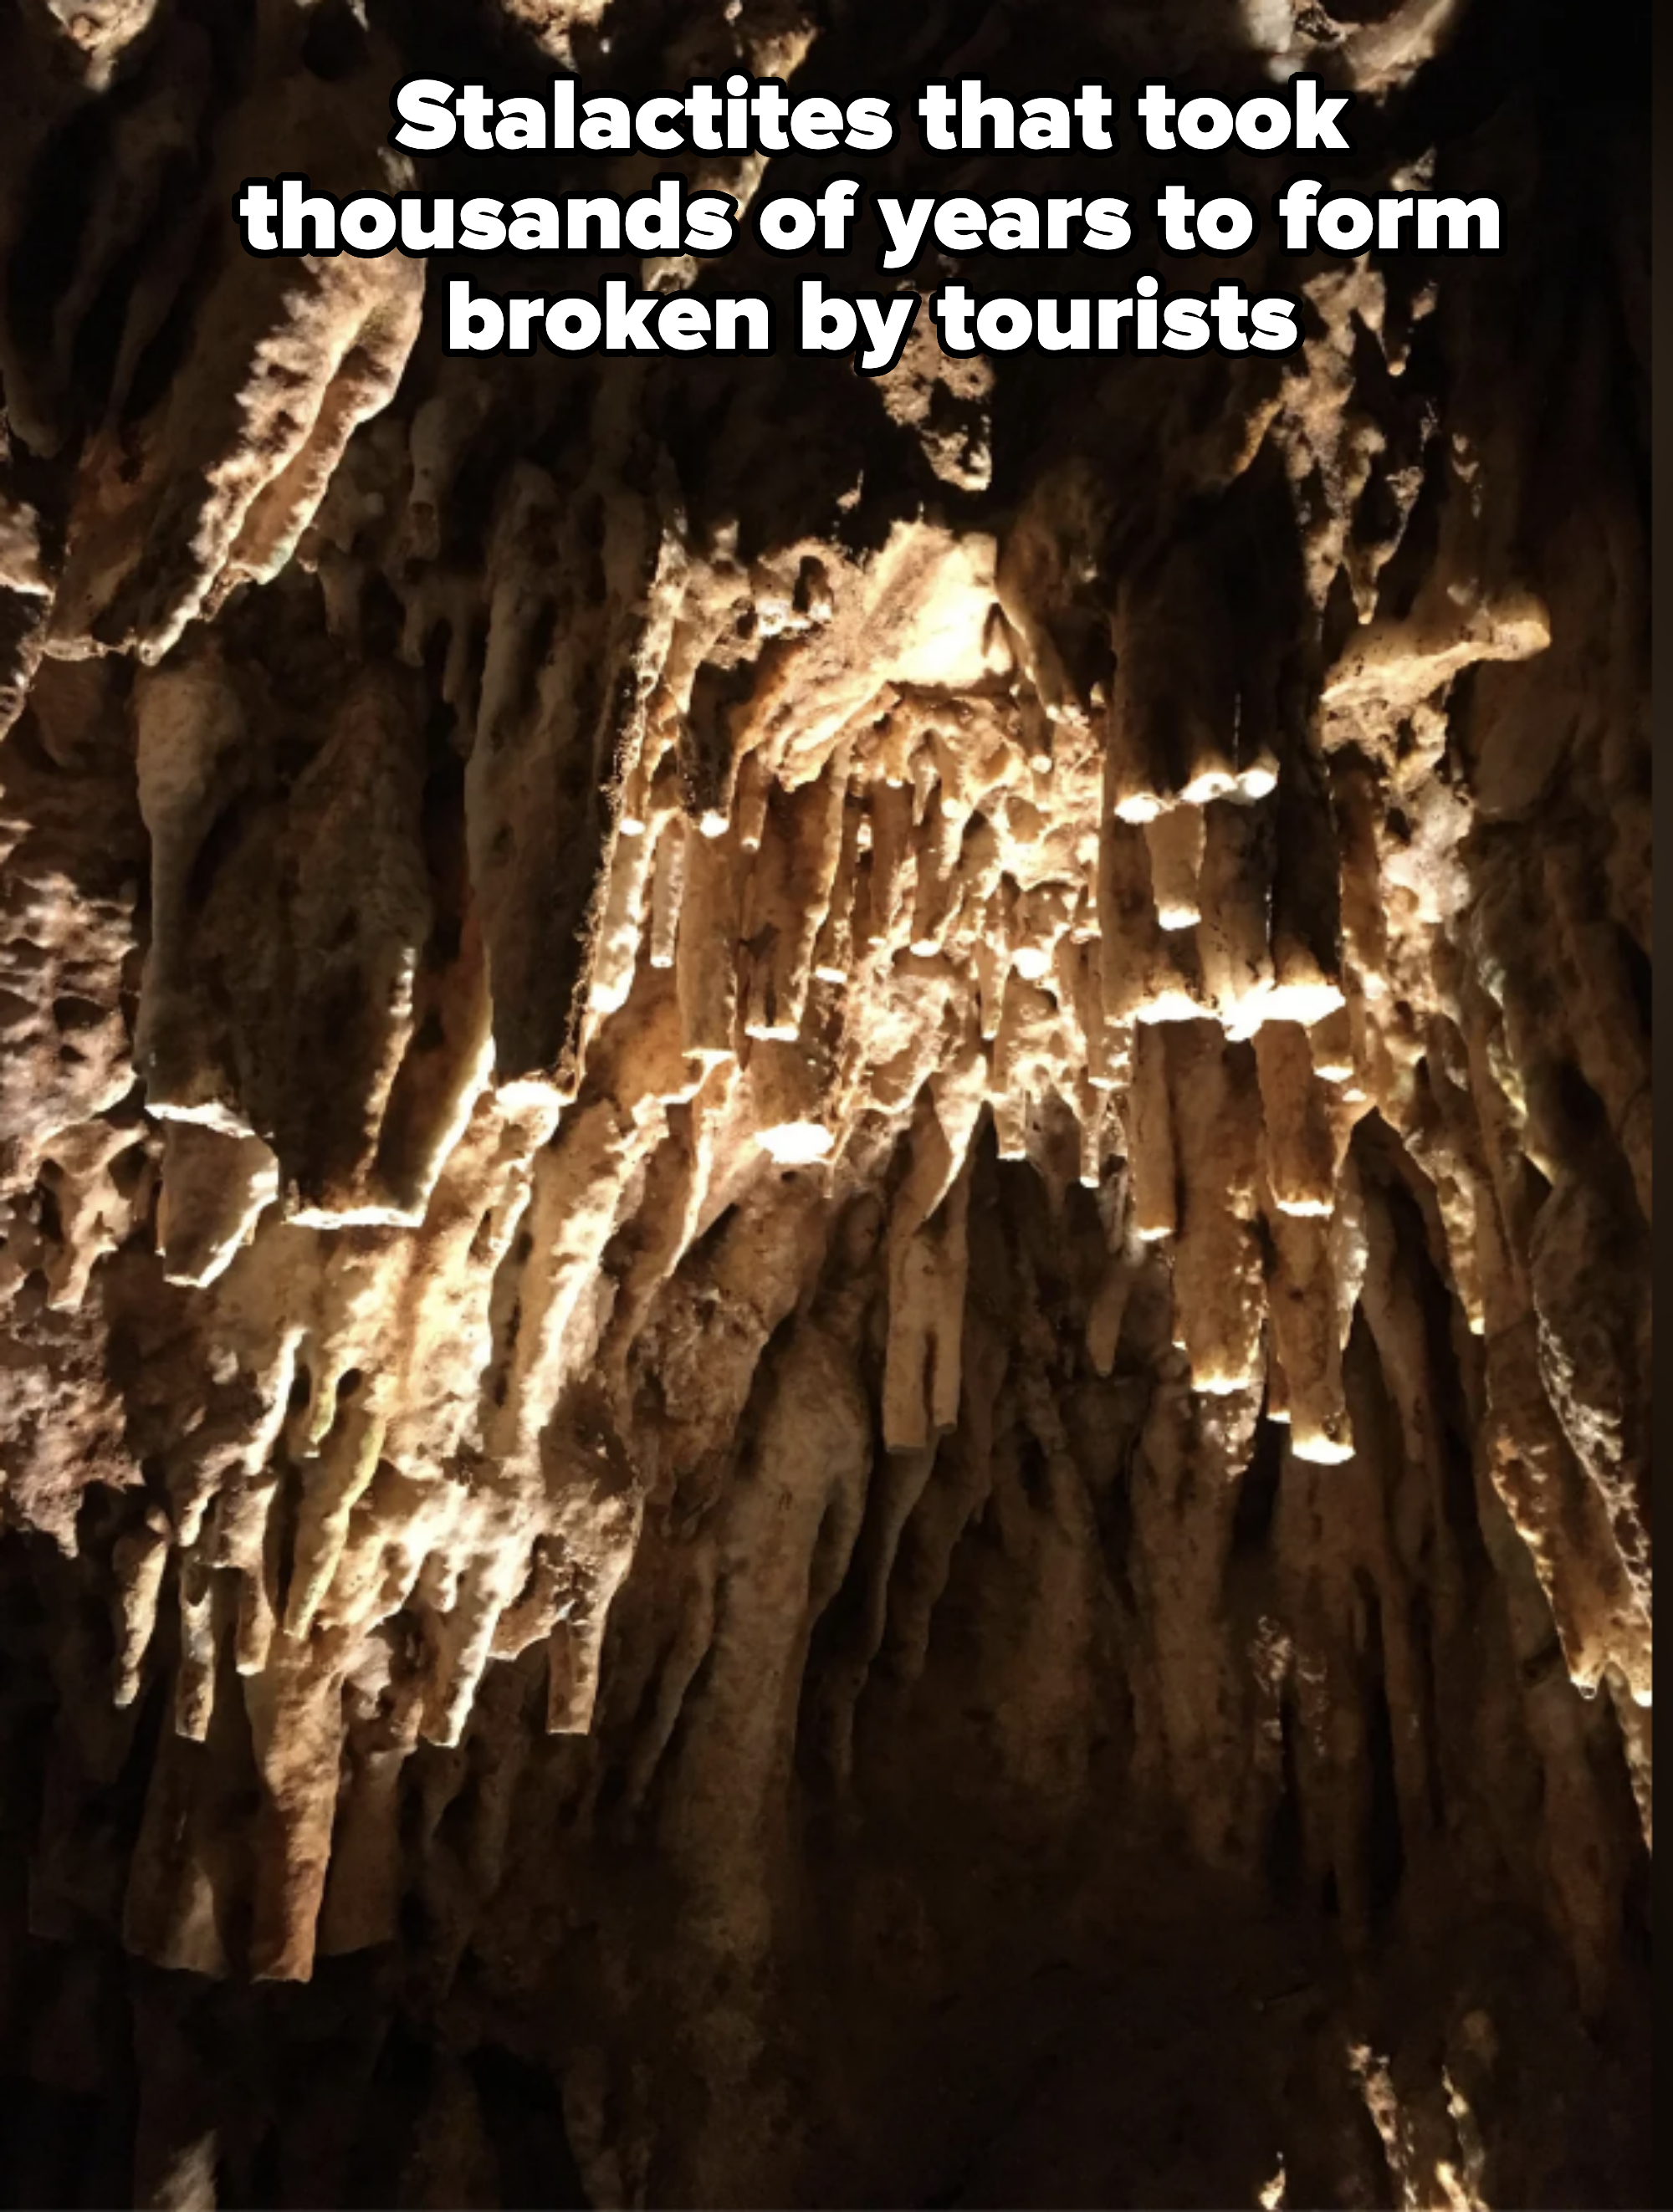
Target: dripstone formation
x=825 y=1359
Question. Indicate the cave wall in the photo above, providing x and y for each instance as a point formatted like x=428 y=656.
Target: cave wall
x=824 y=1279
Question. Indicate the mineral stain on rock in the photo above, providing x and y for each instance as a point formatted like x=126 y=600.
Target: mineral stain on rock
x=824 y=1201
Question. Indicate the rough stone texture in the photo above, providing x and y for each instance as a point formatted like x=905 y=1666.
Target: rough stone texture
x=825 y=1280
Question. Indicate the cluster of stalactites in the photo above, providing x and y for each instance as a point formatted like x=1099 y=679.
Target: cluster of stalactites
x=750 y=884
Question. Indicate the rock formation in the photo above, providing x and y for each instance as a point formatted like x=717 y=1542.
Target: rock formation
x=825 y=1349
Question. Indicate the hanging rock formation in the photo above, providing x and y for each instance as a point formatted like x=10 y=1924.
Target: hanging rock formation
x=824 y=1288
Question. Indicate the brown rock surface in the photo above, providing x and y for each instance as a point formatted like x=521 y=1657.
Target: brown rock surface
x=824 y=1203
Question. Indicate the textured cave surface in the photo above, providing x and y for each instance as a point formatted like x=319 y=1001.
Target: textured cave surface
x=823 y=1204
